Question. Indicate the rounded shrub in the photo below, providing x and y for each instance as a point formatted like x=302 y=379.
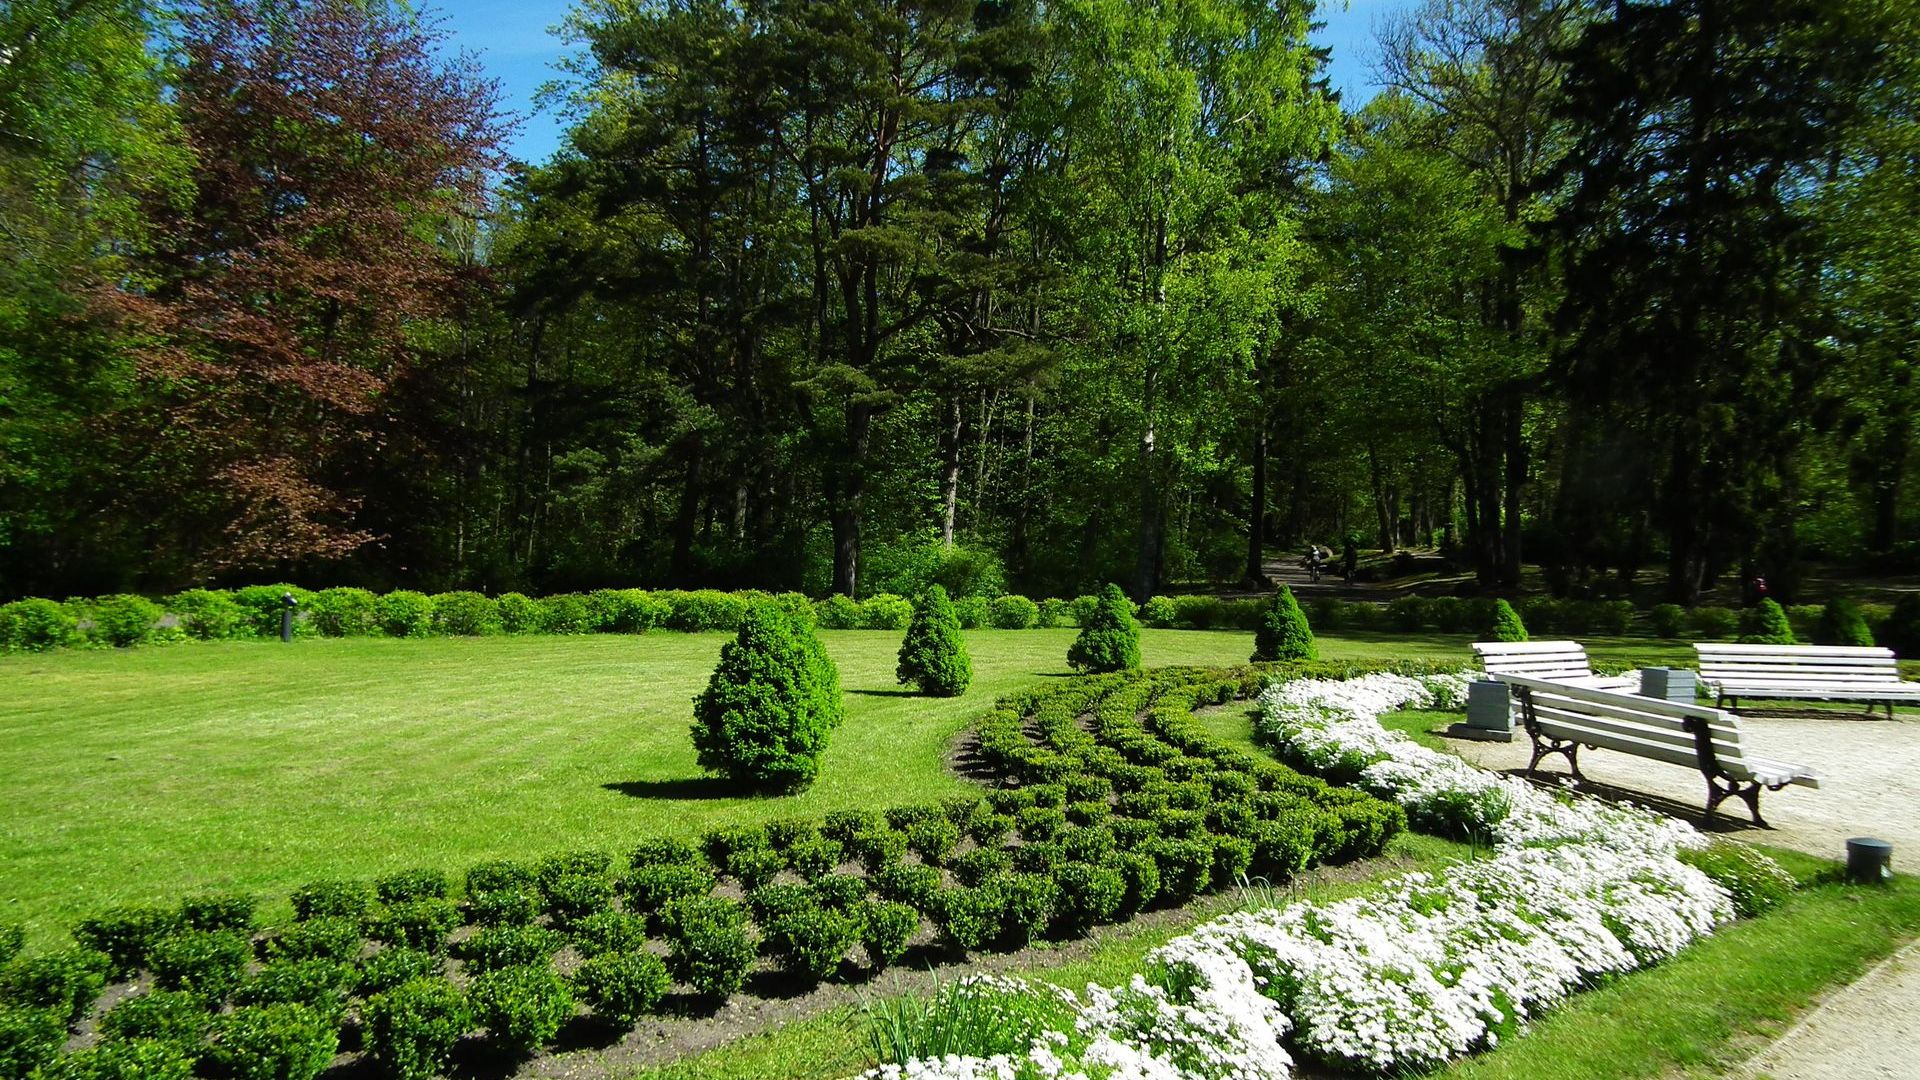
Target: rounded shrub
x=36 y=625
x=885 y=928
x=138 y=1059
x=125 y=934
x=1089 y=894
x=706 y=609
x=332 y=899
x=274 y=1042
x=972 y=611
x=1506 y=624
x=837 y=612
x=65 y=983
x=1283 y=633
x=389 y=968
x=1765 y=623
x=465 y=614
x=169 y=1016
x=209 y=963
x=416 y=924
x=566 y=613
x=217 y=911
x=412 y=1028
x=344 y=612
x=320 y=985
x=622 y=986
x=886 y=612
x=607 y=932
x=509 y=946
x=1055 y=612
x=31 y=1038
x=709 y=946
x=810 y=940
x=124 y=620
x=1109 y=638
x=521 y=1007
x=771 y=704
x=264 y=604
x=405 y=613
x=1758 y=884
x=519 y=613
x=1669 y=621
x=330 y=937
x=1715 y=623
x=1012 y=612
x=207 y=614
x=933 y=657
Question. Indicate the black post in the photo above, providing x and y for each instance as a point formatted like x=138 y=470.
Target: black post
x=286 y=617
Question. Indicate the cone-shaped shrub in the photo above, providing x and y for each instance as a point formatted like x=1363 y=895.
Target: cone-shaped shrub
x=1901 y=632
x=771 y=703
x=1109 y=638
x=1283 y=633
x=1841 y=623
x=1506 y=623
x=1765 y=623
x=934 y=655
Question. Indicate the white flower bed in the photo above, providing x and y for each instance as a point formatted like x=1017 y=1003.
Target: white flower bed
x=1425 y=969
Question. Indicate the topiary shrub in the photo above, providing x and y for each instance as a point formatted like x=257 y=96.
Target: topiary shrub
x=766 y=714
x=1842 y=623
x=65 y=982
x=622 y=986
x=1668 y=620
x=36 y=625
x=31 y=1038
x=419 y=884
x=709 y=946
x=320 y=985
x=326 y=938
x=1089 y=894
x=209 y=963
x=886 y=612
x=508 y=946
x=169 y=1016
x=521 y=1007
x=274 y=1042
x=1013 y=612
x=968 y=916
x=1765 y=624
x=217 y=911
x=332 y=899
x=344 y=612
x=810 y=940
x=125 y=934
x=1283 y=633
x=416 y=924
x=607 y=932
x=885 y=928
x=1159 y=611
x=139 y=1059
x=933 y=657
x=125 y=620
x=465 y=614
x=1506 y=624
x=389 y=968
x=837 y=612
x=1109 y=638
x=650 y=889
x=412 y=1028
x=519 y=613
x=1055 y=612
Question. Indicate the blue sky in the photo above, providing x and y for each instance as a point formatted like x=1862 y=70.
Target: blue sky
x=512 y=41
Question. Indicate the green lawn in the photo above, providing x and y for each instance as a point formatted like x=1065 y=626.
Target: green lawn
x=144 y=774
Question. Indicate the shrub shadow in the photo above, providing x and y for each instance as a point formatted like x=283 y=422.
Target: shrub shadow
x=686 y=787
x=885 y=693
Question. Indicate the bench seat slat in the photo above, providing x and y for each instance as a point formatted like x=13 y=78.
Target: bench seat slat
x=1626 y=720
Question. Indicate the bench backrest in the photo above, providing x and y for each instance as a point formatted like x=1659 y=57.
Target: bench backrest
x=1789 y=666
x=1535 y=659
x=1646 y=727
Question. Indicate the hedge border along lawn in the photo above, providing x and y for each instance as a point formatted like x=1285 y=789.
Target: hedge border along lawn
x=1142 y=802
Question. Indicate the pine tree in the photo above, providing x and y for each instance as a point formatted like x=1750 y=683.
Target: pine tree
x=1765 y=623
x=773 y=700
x=933 y=656
x=1283 y=633
x=1110 y=638
x=1506 y=623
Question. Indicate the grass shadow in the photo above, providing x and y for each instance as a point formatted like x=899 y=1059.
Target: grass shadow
x=686 y=787
x=903 y=692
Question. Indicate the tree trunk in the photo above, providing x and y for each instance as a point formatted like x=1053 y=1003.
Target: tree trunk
x=950 y=470
x=1146 y=568
x=1516 y=483
x=850 y=490
x=681 y=568
x=1257 y=507
x=1383 y=516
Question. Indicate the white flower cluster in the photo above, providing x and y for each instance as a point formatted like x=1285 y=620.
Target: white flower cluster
x=1425 y=969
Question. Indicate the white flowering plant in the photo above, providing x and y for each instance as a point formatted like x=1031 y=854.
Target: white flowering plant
x=1423 y=970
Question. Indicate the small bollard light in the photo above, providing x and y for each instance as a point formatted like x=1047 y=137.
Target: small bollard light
x=286 y=616
x=1869 y=861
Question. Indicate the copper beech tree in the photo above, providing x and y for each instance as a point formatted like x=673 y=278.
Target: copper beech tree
x=337 y=149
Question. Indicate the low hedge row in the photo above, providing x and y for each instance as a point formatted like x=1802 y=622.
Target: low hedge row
x=1088 y=828
x=35 y=624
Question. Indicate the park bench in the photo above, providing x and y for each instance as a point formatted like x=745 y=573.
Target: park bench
x=1553 y=661
x=1560 y=719
x=1817 y=672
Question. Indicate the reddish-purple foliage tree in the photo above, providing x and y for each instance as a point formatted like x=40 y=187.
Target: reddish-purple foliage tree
x=338 y=146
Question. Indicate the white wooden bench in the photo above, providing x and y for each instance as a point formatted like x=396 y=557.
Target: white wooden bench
x=1554 y=661
x=1817 y=672
x=1560 y=719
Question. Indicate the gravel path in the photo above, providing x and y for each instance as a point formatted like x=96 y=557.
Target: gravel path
x=1870 y=778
